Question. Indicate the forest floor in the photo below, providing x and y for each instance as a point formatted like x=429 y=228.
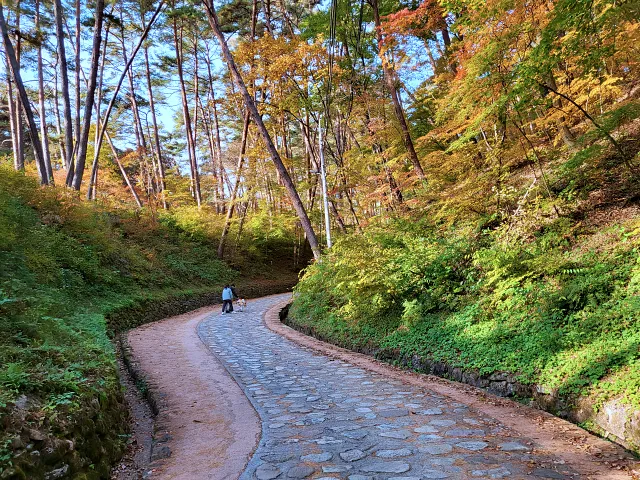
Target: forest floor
x=243 y=396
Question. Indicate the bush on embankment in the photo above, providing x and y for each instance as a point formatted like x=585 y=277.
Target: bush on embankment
x=72 y=274
x=553 y=315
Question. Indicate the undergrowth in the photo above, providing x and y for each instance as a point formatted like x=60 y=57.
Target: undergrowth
x=66 y=265
x=552 y=298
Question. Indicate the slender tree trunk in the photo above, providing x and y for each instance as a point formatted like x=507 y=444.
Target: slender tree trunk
x=206 y=121
x=432 y=60
x=218 y=144
x=19 y=125
x=64 y=80
x=337 y=216
x=266 y=8
x=567 y=137
x=154 y=158
x=92 y=191
x=156 y=134
x=18 y=155
x=243 y=207
x=43 y=118
x=251 y=106
x=446 y=39
x=389 y=76
x=88 y=108
x=216 y=151
x=139 y=131
x=56 y=110
x=195 y=179
x=254 y=19
x=123 y=172
x=33 y=128
x=196 y=98
x=232 y=199
x=78 y=66
x=19 y=118
x=393 y=185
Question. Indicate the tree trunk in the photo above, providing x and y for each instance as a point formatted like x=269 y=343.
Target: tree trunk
x=216 y=150
x=18 y=127
x=43 y=117
x=206 y=121
x=195 y=179
x=88 y=108
x=18 y=152
x=33 y=128
x=56 y=110
x=338 y=217
x=266 y=8
x=64 y=79
x=389 y=76
x=218 y=144
x=154 y=158
x=251 y=106
x=139 y=131
x=196 y=97
x=123 y=171
x=156 y=134
x=567 y=137
x=19 y=119
x=92 y=191
x=78 y=66
x=234 y=193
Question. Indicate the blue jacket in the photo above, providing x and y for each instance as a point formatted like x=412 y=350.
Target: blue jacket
x=227 y=294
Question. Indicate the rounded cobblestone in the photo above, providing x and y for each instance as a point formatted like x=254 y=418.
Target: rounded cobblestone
x=318 y=409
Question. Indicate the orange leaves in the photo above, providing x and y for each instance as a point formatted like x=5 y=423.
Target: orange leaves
x=421 y=22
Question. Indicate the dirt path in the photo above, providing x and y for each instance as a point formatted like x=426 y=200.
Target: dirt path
x=205 y=422
x=327 y=413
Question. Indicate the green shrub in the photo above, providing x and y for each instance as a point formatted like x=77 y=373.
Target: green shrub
x=552 y=308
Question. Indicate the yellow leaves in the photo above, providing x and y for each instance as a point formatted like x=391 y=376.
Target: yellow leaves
x=278 y=59
x=288 y=69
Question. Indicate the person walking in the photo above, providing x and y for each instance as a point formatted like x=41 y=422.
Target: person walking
x=227 y=300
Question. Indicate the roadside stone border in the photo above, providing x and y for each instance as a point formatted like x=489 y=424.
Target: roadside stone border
x=159 y=438
x=614 y=420
x=590 y=456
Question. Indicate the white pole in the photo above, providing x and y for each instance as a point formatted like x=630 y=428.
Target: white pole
x=323 y=176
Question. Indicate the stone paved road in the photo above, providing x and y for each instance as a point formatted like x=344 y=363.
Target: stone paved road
x=324 y=418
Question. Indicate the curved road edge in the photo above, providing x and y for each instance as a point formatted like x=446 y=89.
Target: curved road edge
x=589 y=455
x=205 y=421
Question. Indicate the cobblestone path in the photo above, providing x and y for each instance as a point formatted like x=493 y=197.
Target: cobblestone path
x=324 y=418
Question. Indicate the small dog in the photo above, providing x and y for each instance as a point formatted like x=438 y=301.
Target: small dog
x=242 y=304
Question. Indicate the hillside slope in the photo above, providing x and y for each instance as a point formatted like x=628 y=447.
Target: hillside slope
x=541 y=304
x=72 y=272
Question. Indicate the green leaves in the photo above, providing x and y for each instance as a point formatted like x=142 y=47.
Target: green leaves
x=548 y=311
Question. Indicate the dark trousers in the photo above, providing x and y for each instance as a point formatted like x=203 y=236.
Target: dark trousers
x=227 y=306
